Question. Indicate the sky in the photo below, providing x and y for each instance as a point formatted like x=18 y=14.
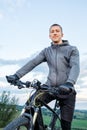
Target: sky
x=24 y=31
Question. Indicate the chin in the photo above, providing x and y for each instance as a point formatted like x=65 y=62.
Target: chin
x=55 y=42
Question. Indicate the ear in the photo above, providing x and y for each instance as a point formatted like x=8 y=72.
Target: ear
x=49 y=36
x=62 y=34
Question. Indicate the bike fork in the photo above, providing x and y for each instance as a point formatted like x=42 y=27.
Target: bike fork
x=30 y=120
x=35 y=115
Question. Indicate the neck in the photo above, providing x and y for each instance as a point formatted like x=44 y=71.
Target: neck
x=57 y=42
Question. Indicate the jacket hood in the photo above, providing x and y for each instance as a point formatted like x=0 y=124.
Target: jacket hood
x=64 y=43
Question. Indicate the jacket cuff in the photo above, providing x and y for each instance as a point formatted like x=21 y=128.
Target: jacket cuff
x=71 y=81
x=17 y=76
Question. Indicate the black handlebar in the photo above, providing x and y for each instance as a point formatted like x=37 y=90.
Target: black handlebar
x=35 y=84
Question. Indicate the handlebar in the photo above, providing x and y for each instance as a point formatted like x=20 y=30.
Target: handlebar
x=36 y=84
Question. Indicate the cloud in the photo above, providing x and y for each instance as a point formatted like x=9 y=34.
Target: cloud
x=12 y=8
x=82 y=95
x=8 y=67
x=20 y=62
x=4 y=62
x=5 y=70
x=21 y=3
x=14 y=3
x=2 y=84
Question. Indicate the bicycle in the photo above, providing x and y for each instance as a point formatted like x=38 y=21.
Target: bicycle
x=32 y=112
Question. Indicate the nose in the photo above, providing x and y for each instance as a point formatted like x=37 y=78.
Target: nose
x=55 y=32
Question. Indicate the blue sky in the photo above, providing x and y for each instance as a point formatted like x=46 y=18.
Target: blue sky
x=24 y=30
x=24 y=25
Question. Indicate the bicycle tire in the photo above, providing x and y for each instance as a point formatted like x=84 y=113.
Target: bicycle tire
x=21 y=123
x=54 y=125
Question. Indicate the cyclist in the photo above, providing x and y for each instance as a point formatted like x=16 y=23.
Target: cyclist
x=63 y=62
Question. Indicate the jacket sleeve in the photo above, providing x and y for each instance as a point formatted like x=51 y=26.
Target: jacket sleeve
x=74 y=66
x=31 y=64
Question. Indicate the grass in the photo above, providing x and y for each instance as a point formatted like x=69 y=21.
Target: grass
x=76 y=123
x=15 y=116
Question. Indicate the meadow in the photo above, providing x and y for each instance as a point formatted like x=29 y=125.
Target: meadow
x=80 y=124
x=77 y=124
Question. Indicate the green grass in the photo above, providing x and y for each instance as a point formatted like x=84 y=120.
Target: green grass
x=15 y=116
x=77 y=123
x=47 y=120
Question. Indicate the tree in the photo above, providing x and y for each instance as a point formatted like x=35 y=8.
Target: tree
x=7 y=108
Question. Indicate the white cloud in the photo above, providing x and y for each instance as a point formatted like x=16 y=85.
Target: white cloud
x=11 y=8
x=2 y=84
x=85 y=83
x=77 y=86
x=35 y=75
x=15 y=3
x=22 y=97
x=84 y=79
x=82 y=95
x=8 y=70
x=20 y=3
x=40 y=75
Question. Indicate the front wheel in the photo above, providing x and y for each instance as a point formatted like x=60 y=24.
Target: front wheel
x=21 y=123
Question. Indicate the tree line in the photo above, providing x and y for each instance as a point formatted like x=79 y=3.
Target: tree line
x=7 y=108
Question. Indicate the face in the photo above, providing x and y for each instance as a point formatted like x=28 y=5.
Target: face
x=56 y=34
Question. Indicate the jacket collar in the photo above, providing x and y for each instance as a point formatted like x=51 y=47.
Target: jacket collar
x=64 y=43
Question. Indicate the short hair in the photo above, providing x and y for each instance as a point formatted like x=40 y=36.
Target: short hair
x=56 y=25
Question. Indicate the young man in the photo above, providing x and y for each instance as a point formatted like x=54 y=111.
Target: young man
x=63 y=63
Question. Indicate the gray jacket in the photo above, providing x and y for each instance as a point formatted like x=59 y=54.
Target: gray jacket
x=63 y=63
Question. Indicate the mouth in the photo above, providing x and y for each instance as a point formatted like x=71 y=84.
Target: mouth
x=55 y=36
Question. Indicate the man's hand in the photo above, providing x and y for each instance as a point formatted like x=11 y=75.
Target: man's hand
x=12 y=78
x=66 y=88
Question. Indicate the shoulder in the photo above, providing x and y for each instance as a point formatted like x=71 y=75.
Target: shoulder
x=74 y=50
x=47 y=48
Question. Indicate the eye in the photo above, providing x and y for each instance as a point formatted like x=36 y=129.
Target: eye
x=57 y=30
x=52 y=31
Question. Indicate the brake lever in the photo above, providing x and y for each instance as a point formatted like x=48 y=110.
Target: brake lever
x=20 y=84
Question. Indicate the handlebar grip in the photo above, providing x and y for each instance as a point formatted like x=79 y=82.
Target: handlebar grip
x=11 y=79
x=16 y=82
x=27 y=84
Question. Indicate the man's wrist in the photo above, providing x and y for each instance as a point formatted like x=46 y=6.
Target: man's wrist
x=68 y=83
x=16 y=77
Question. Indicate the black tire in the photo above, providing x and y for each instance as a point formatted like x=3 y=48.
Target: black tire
x=54 y=124
x=21 y=123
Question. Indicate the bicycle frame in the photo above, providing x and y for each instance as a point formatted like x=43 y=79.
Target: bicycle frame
x=33 y=113
x=38 y=112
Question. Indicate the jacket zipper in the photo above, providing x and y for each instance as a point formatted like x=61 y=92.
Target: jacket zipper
x=56 y=65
